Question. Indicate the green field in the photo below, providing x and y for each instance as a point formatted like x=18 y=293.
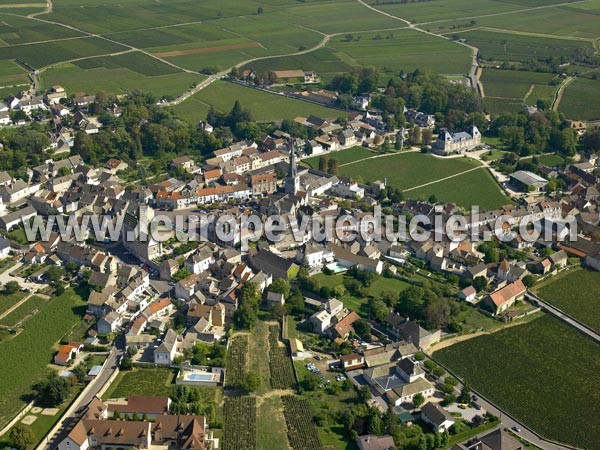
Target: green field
x=26 y=356
x=581 y=100
x=503 y=105
x=343 y=156
x=583 y=304
x=512 y=83
x=407 y=170
x=118 y=80
x=448 y=9
x=264 y=106
x=473 y=188
x=499 y=46
x=24 y=311
x=392 y=51
x=156 y=382
x=7 y=301
x=545 y=373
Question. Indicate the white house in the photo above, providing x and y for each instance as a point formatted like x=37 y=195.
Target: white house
x=200 y=261
x=166 y=351
x=437 y=417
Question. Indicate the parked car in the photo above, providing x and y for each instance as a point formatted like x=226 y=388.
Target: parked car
x=516 y=429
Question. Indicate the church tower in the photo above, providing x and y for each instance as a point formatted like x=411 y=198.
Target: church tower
x=292 y=181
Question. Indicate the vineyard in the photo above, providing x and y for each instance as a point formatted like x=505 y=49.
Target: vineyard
x=240 y=423
x=302 y=431
x=237 y=361
x=280 y=362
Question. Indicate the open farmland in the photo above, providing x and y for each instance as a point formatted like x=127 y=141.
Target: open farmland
x=117 y=80
x=264 y=106
x=395 y=50
x=8 y=301
x=473 y=188
x=583 y=304
x=544 y=364
x=343 y=156
x=156 y=382
x=23 y=312
x=406 y=170
x=581 y=99
x=39 y=335
x=512 y=83
x=498 y=46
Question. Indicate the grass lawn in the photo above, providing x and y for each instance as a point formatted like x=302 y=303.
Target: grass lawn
x=37 y=340
x=343 y=156
x=407 y=170
x=7 y=301
x=264 y=106
x=359 y=304
x=551 y=160
x=472 y=188
x=141 y=381
x=583 y=304
x=542 y=372
x=270 y=424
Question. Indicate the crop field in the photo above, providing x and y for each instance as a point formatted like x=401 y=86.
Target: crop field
x=237 y=361
x=155 y=382
x=7 y=301
x=583 y=304
x=512 y=83
x=19 y=30
x=302 y=431
x=118 y=80
x=502 y=105
x=11 y=73
x=544 y=365
x=556 y=21
x=391 y=51
x=23 y=312
x=406 y=170
x=419 y=12
x=44 y=54
x=581 y=100
x=280 y=362
x=240 y=423
x=469 y=189
x=343 y=156
x=264 y=106
x=40 y=333
x=499 y=46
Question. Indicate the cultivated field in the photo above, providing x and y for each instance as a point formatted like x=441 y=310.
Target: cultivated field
x=544 y=365
x=512 y=83
x=23 y=312
x=240 y=423
x=583 y=304
x=8 y=301
x=37 y=340
x=264 y=106
x=581 y=99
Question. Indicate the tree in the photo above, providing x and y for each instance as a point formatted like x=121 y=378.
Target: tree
x=323 y=163
x=280 y=286
x=21 y=437
x=80 y=373
x=259 y=10
x=54 y=390
x=480 y=283
x=362 y=328
x=11 y=287
x=465 y=395
x=311 y=382
x=55 y=273
x=529 y=281
x=126 y=363
x=426 y=136
x=418 y=399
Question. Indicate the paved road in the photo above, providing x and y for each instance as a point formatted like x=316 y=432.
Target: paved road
x=564 y=316
x=70 y=418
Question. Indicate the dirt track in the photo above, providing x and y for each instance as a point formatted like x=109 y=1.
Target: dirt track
x=197 y=51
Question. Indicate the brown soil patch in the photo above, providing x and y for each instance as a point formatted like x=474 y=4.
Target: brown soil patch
x=197 y=51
